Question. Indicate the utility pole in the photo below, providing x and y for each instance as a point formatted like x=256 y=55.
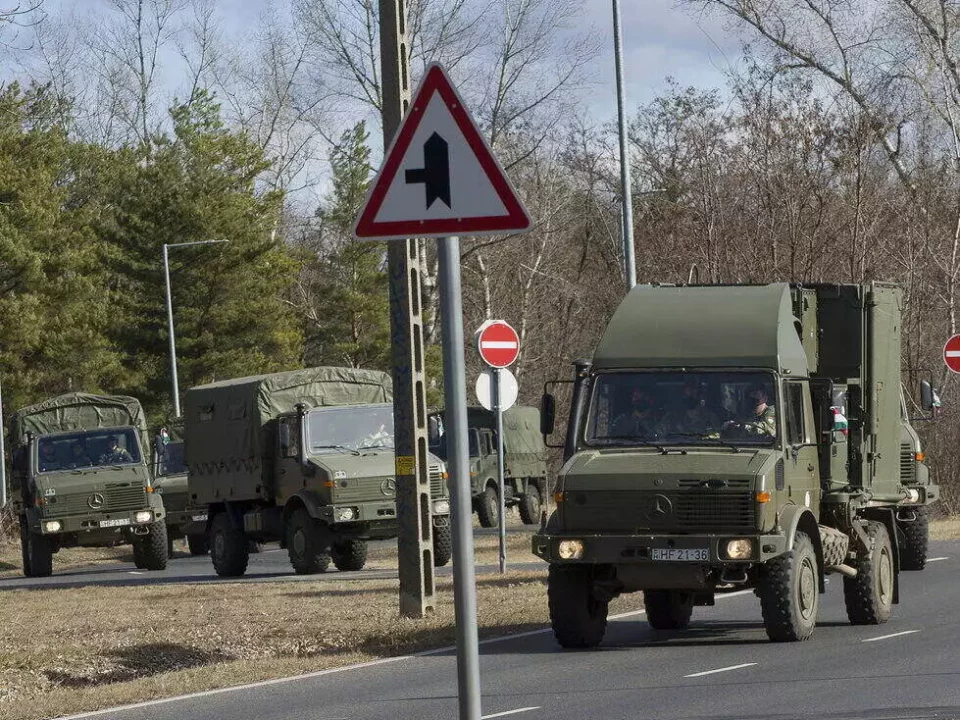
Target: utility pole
x=626 y=197
x=414 y=508
x=174 y=382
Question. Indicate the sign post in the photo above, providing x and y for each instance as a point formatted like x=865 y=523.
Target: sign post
x=499 y=346
x=951 y=354
x=440 y=179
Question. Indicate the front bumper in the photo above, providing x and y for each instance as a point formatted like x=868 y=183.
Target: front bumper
x=636 y=549
x=191 y=521
x=95 y=522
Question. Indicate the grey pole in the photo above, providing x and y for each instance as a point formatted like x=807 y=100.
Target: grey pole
x=629 y=262
x=3 y=465
x=498 y=411
x=458 y=454
x=174 y=385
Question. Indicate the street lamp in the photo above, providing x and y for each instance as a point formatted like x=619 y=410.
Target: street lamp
x=173 y=342
x=629 y=262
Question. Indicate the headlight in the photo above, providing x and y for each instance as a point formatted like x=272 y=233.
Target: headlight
x=52 y=526
x=144 y=516
x=570 y=549
x=739 y=549
x=345 y=514
x=441 y=507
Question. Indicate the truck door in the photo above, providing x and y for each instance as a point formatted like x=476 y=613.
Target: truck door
x=288 y=476
x=802 y=462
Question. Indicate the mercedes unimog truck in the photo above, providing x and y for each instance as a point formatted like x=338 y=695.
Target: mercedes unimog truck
x=304 y=457
x=524 y=456
x=184 y=520
x=731 y=437
x=80 y=478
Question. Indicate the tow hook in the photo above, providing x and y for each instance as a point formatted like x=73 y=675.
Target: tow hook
x=141 y=530
x=733 y=576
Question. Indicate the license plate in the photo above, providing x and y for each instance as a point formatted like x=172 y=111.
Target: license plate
x=115 y=523
x=199 y=518
x=680 y=554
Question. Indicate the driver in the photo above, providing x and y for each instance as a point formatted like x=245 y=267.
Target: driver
x=115 y=454
x=763 y=419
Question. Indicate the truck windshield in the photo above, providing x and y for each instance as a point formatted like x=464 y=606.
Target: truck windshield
x=353 y=427
x=171 y=463
x=682 y=408
x=92 y=448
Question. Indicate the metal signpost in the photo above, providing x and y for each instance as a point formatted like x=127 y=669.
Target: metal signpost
x=440 y=179
x=626 y=196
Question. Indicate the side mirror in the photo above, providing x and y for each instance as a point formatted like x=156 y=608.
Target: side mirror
x=926 y=395
x=548 y=411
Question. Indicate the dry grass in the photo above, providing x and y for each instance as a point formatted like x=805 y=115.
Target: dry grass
x=946 y=529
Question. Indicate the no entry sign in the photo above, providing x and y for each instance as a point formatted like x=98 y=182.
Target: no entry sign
x=951 y=353
x=498 y=343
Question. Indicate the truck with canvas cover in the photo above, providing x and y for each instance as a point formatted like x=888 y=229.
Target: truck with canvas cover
x=304 y=457
x=731 y=437
x=524 y=456
x=81 y=478
x=184 y=520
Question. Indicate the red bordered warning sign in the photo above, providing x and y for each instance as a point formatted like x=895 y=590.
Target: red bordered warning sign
x=439 y=177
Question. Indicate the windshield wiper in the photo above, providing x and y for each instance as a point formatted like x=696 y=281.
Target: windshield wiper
x=640 y=440
x=705 y=436
x=335 y=447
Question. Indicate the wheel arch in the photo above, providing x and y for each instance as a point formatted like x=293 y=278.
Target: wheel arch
x=796 y=519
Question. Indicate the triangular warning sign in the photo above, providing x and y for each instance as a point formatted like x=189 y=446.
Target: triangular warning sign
x=439 y=176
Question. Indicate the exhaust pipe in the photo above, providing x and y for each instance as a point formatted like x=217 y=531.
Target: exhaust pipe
x=844 y=570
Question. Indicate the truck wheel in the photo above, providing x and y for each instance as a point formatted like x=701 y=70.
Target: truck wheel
x=169 y=545
x=305 y=544
x=256 y=547
x=39 y=556
x=916 y=535
x=24 y=546
x=442 y=544
x=349 y=555
x=488 y=508
x=198 y=544
x=579 y=620
x=668 y=609
x=228 y=547
x=790 y=593
x=530 y=505
x=869 y=595
x=150 y=550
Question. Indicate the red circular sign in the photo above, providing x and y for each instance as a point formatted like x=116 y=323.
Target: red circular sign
x=498 y=343
x=951 y=353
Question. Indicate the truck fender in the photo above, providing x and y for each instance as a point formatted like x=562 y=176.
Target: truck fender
x=797 y=517
x=302 y=499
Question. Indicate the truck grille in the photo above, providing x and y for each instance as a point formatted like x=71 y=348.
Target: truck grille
x=908 y=466
x=693 y=511
x=125 y=497
x=715 y=511
x=437 y=486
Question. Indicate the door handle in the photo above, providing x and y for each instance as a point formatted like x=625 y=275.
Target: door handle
x=810 y=467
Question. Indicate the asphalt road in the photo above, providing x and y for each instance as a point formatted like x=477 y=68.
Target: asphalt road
x=270 y=565
x=722 y=667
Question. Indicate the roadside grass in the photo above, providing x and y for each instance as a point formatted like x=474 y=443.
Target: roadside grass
x=946 y=529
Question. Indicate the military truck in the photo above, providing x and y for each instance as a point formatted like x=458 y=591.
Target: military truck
x=184 y=520
x=729 y=437
x=525 y=467
x=80 y=478
x=304 y=457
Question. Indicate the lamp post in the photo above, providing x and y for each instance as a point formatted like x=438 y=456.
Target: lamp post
x=173 y=343
x=626 y=201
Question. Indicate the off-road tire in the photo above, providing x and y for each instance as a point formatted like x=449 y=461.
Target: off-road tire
x=530 y=505
x=169 y=545
x=916 y=536
x=256 y=547
x=488 y=508
x=38 y=555
x=790 y=593
x=668 y=609
x=199 y=544
x=150 y=550
x=306 y=546
x=869 y=595
x=442 y=544
x=349 y=555
x=579 y=619
x=24 y=540
x=229 y=550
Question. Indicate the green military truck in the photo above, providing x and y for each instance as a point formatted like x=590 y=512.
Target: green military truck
x=524 y=455
x=730 y=437
x=304 y=457
x=80 y=478
x=184 y=520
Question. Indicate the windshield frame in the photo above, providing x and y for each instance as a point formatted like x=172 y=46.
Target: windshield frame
x=356 y=445
x=129 y=430
x=652 y=443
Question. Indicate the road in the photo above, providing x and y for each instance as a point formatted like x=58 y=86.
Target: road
x=722 y=667
x=271 y=565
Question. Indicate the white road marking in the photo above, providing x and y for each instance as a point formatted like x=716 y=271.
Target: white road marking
x=134 y=572
x=510 y=712
x=720 y=670
x=887 y=637
x=930 y=560
x=345 y=668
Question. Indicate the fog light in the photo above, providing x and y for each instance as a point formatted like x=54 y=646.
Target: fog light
x=739 y=549
x=52 y=526
x=570 y=549
x=345 y=514
x=441 y=507
x=144 y=516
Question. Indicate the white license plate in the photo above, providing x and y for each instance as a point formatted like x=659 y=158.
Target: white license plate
x=680 y=554
x=115 y=523
x=199 y=518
